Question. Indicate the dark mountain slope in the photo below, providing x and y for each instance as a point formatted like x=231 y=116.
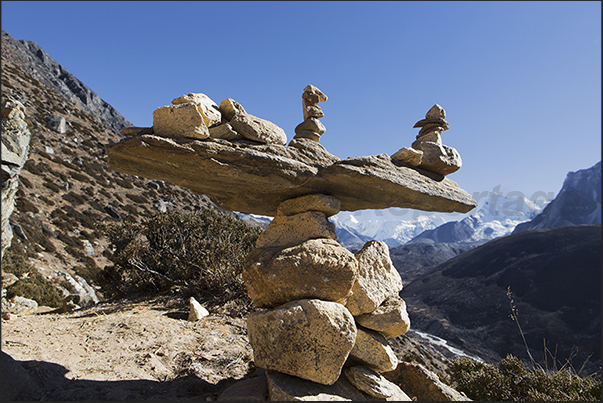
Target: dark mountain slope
x=415 y=260
x=554 y=276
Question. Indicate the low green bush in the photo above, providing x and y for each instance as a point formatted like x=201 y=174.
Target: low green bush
x=202 y=253
x=31 y=284
x=511 y=380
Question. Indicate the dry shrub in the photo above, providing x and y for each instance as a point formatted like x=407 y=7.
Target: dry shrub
x=201 y=253
x=511 y=380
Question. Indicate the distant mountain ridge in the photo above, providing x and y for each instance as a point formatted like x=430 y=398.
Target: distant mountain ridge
x=497 y=216
x=578 y=202
x=41 y=66
x=554 y=276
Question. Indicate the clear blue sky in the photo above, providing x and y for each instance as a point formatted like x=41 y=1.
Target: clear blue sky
x=520 y=81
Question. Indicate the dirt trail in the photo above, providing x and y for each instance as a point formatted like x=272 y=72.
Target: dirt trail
x=137 y=350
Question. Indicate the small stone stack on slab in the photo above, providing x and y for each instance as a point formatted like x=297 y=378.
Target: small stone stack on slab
x=428 y=152
x=311 y=128
x=323 y=307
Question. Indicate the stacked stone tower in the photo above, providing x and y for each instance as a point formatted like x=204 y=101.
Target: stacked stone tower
x=324 y=314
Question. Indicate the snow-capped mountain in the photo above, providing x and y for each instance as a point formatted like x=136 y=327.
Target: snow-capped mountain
x=496 y=216
x=393 y=226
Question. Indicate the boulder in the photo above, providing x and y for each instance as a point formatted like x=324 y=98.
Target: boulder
x=256 y=129
x=313 y=111
x=229 y=108
x=88 y=248
x=208 y=108
x=438 y=158
x=291 y=230
x=311 y=124
x=180 y=120
x=421 y=384
x=377 y=279
x=19 y=305
x=371 y=349
x=196 y=311
x=390 y=318
x=308 y=338
x=318 y=268
x=326 y=204
x=255 y=178
x=224 y=131
x=283 y=387
x=112 y=211
x=408 y=156
x=57 y=123
x=374 y=384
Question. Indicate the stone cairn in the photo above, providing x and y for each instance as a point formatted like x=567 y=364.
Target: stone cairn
x=324 y=307
x=324 y=313
x=428 y=152
x=311 y=128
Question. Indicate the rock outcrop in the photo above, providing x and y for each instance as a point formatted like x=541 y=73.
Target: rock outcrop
x=15 y=150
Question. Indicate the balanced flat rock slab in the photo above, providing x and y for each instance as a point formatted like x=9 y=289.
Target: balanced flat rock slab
x=254 y=178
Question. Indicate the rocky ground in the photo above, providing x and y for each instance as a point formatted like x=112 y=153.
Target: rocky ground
x=144 y=349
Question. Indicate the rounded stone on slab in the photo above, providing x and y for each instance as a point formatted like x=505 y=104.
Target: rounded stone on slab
x=292 y=230
x=229 y=108
x=408 y=156
x=313 y=111
x=318 y=268
x=311 y=124
x=308 y=338
x=326 y=204
x=307 y=134
x=224 y=131
x=180 y=120
x=208 y=108
x=256 y=129
x=436 y=112
x=438 y=158
x=313 y=94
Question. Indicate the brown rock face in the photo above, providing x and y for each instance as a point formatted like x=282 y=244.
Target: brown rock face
x=256 y=178
x=318 y=268
x=309 y=338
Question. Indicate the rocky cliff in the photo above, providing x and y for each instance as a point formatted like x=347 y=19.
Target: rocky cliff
x=39 y=65
x=15 y=150
x=578 y=202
